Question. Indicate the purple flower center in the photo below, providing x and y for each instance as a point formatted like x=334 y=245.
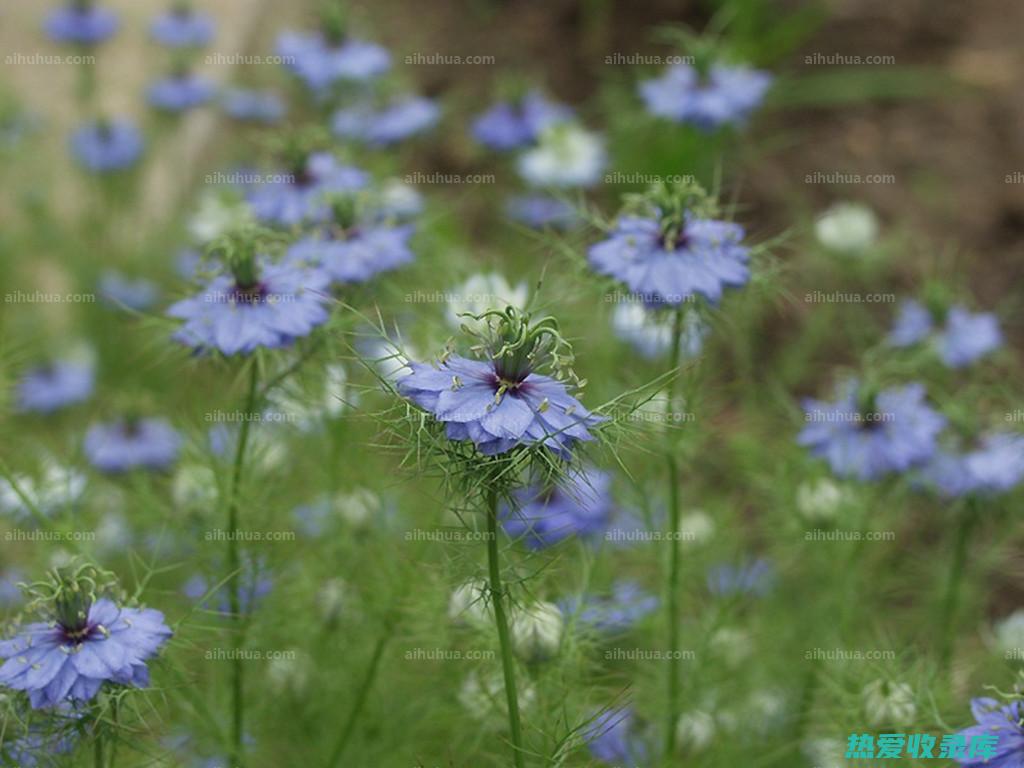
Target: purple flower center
x=249 y=294
x=303 y=178
x=80 y=633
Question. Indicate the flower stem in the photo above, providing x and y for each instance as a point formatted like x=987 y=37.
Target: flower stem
x=234 y=568
x=956 y=573
x=672 y=581
x=501 y=622
x=97 y=752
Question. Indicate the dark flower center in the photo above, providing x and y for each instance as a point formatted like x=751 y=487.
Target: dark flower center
x=78 y=633
x=302 y=177
x=249 y=294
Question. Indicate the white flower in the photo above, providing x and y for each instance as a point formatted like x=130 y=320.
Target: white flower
x=889 y=704
x=216 y=215
x=537 y=631
x=732 y=645
x=194 y=485
x=696 y=526
x=567 y=156
x=307 y=411
x=289 y=673
x=468 y=604
x=480 y=293
x=400 y=199
x=1008 y=636
x=483 y=695
x=112 y=533
x=766 y=707
x=331 y=598
x=390 y=361
x=820 y=500
x=56 y=488
x=358 y=507
x=827 y=753
x=650 y=332
x=847 y=228
x=696 y=730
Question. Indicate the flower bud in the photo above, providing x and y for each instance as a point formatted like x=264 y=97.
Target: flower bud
x=537 y=631
x=889 y=704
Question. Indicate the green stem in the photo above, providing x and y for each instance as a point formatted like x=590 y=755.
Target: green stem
x=234 y=568
x=951 y=600
x=97 y=752
x=672 y=582
x=501 y=622
x=364 y=691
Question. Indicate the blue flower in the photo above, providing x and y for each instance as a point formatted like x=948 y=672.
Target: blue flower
x=71 y=657
x=1003 y=721
x=357 y=254
x=180 y=92
x=182 y=28
x=301 y=196
x=615 y=613
x=612 y=738
x=725 y=95
x=397 y=121
x=508 y=126
x=126 y=444
x=9 y=590
x=83 y=24
x=747 y=578
x=998 y=465
x=118 y=290
x=581 y=506
x=540 y=211
x=255 y=586
x=704 y=259
x=107 y=145
x=40 y=746
x=253 y=105
x=964 y=338
x=868 y=437
x=284 y=302
x=477 y=401
x=51 y=387
x=320 y=64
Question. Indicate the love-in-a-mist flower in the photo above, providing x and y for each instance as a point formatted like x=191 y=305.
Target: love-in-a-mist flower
x=132 y=443
x=579 y=505
x=399 y=120
x=353 y=247
x=217 y=213
x=107 y=145
x=847 y=228
x=755 y=577
x=1008 y=636
x=122 y=291
x=397 y=200
x=673 y=253
x=613 y=737
x=537 y=630
x=540 y=211
x=502 y=402
x=616 y=612
x=81 y=22
x=514 y=124
x=300 y=194
x=478 y=294
x=180 y=91
x=565 y=156
x=889 y=703
x=996 y=740
x=995 y=465
x=650 y=332
x=867 y=433
x=52 y=386
x=182 y=27
x=722 y=94
x=959 y=336
x=86 y=641
x=56 y=487
x=254 y=303
x=255 y=585
x=253 y=105
x=320 y=60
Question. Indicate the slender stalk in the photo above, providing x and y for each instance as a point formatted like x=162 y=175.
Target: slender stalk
x=97 y=752
x=364 y=691
x=951 y=600
x=501 y=622
x=235 y=585
x=672 y=581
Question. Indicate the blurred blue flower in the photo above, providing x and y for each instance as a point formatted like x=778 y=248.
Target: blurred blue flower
x=580 y=505
x=40 y=746
x=10 y=592
x=81 y=23
x=182 y=27
x=540 y=211
x=756 y=577
x=479 y=401
x=319 y=63
x=250 y=104
x=255 y=584
x=964 y=338
x=508 y=125
x=118 y=290
x=285 y=302
x=725 y=95
x=997 y=465
x=70 y=657
x=357 y=254
x=867 y=437
x=614 y=613
x=395 y=122
x=107 y=145
x=706 y=258
x=1001 y=721
x=612 y=738
x=126 y=444
x=301 y=196
x=180 y=92
x=649 y=332
x=53 y=386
